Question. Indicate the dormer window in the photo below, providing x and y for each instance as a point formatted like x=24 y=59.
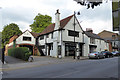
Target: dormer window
x=26 y=38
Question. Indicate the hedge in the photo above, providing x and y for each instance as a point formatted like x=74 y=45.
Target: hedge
x=20 y=52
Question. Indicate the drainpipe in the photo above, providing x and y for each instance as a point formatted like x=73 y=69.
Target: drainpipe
x=61 y=44
x=83 y=43
x=14 y=43
x=74 y=38
x=45 y=45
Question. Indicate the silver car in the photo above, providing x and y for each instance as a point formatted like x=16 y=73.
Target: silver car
x=96 y=55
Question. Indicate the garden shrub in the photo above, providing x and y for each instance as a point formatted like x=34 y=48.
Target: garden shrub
x=20 y=52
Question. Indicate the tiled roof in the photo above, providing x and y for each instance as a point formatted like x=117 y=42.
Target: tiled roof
x=35 y=34
x=51 y=27
x=111 y=39
x=90 y=34
x=107 y=32
x=13 y=38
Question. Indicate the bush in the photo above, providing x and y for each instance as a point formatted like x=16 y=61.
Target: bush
x=20 y=52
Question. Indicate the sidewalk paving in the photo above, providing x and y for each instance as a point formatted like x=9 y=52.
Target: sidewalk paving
x=38 y=61
x=12 y=60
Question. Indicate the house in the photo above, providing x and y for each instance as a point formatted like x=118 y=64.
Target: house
x=26 y=39
x=58 y=38
x=112 y=38
x=93 y=42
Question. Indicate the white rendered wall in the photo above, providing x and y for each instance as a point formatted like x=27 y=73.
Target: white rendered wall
x=70 y=26
x=19 y=40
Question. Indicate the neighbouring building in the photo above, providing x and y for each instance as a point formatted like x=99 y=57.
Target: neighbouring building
x=112 y=38
x=93 y=42
x=26 y=39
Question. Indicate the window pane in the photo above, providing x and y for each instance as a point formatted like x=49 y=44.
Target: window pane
x=41 y=37
x=73 y=33
x=26 y=38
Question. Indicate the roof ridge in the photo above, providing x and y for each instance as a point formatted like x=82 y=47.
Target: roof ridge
x=108 y=31
x=67 y=17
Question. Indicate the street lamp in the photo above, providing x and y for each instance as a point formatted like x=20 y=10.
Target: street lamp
x=119 y=27
x=78 y=13
x=3 y=49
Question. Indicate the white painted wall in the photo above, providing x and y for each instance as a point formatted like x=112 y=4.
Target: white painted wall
x=86 y=45
x=101 y=45
x=19 y=40
x=70 y=26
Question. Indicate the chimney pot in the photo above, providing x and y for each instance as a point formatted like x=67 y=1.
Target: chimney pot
x=57 y=11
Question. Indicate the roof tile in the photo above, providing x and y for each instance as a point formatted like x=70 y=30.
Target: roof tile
x=51 y=27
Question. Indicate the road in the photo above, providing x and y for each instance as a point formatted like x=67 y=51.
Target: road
x=103 y=68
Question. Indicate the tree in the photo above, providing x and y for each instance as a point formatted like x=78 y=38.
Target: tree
x=40 y=23
x=9 y=31
x=89 y=3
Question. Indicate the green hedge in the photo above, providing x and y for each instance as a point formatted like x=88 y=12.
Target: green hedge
x=20 y=52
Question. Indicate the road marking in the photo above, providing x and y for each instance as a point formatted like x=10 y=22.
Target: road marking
x=65 y=74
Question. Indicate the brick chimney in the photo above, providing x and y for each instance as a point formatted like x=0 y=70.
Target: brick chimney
x=89 y=30
x=57 y=20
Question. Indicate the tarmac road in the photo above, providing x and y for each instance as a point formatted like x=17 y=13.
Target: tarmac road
x=102 y=68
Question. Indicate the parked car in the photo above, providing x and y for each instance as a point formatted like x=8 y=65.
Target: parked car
x=116 y=53
x=107 y=54
x=96 y=55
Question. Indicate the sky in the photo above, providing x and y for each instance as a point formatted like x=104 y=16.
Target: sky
x=23 y=12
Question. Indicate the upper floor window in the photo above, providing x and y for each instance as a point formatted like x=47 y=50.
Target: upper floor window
x=26 y=38
x=52 y=36
x=92 y=40
x=100 y=41
x=113 y=37
x=41 y=37
x=47 y=36
x=73 y=33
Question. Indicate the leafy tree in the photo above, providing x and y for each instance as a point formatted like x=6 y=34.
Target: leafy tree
x=89 y=3
x=9 y=31
x=40 y=23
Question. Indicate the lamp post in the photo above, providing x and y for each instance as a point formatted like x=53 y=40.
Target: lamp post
x=78 y=13
x=119 y=25
x=3 y=49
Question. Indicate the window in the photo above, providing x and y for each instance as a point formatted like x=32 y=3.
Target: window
x=52 y=36
x=71 y=33
x=47 y=36
x=113 y=36
x=41 y=37
x=26 y=38
x=92 y=40
x=100 y=41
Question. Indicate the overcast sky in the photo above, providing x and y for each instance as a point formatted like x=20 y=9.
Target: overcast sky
x=22 y=12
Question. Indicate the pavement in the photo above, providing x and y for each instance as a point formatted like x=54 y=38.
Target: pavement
x=14 y=63
x=1 y=70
